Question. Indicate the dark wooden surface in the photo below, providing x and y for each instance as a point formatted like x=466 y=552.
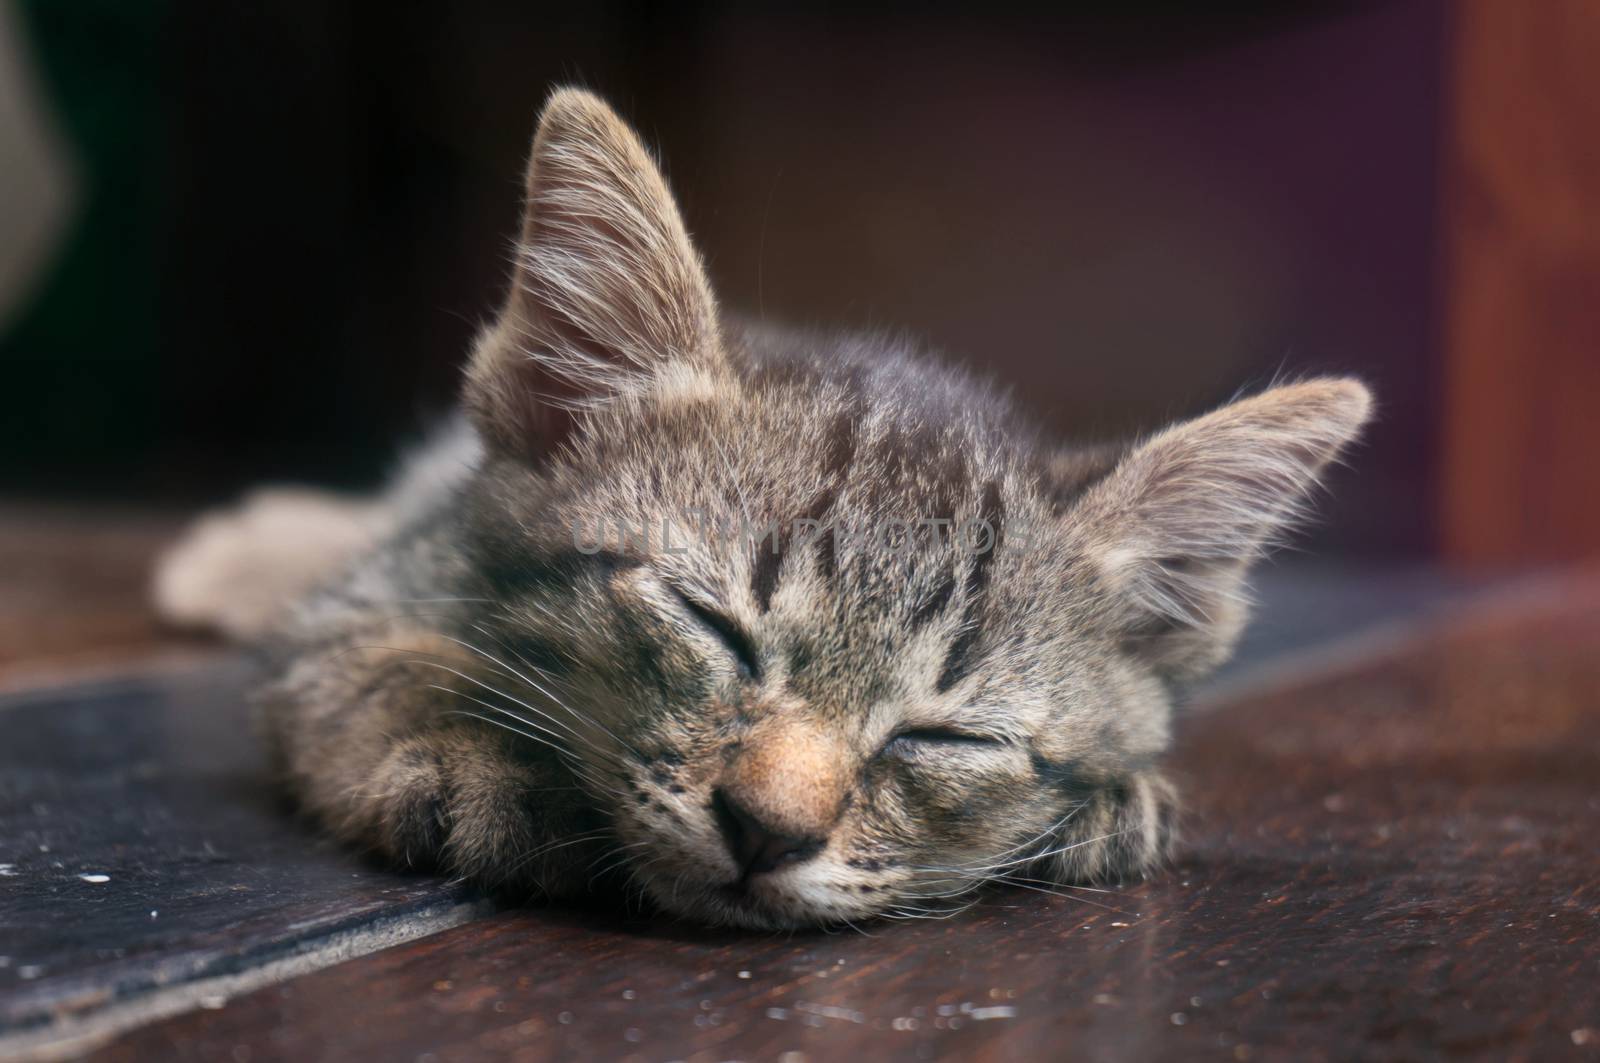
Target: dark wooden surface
x=142 y=847
x=1394 y=861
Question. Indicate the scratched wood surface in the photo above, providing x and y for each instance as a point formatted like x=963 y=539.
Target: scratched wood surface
x=143 y=848
x=1395 y=860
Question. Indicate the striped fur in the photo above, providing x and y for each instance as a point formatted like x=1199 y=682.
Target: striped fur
x=548 y=677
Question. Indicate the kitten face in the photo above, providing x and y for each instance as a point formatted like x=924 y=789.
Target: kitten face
x=842 y=726
x=825 y=633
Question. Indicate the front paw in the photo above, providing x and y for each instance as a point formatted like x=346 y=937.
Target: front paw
x=462 y=801
x=1123 y=830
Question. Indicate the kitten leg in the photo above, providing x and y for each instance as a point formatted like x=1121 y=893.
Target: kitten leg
x=1124 y=830
x=238 y=569
x=376 y=743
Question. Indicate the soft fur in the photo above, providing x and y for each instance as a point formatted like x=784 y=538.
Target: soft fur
x=545 y=676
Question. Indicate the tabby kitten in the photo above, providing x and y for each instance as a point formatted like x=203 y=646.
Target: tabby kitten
x=774 y=629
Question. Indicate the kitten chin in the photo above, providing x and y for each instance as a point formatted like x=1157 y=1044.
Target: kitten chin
x=899 y=645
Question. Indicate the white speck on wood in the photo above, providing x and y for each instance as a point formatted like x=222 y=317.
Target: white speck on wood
x=994 y=1011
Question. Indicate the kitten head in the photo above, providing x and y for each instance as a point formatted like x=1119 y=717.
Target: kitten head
x=826 y=633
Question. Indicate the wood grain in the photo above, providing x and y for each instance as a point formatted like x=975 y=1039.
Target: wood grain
x=1522 y=283
x=74 y=592
x=1393 y=862
x=144 y=853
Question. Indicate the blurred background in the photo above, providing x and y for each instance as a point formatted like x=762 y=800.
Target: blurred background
x=245 y=243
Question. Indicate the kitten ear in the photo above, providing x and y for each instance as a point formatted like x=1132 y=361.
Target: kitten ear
x=608 y=290
x=1171 y=530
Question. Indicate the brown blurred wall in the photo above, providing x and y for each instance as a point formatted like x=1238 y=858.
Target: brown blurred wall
x=1522 y=284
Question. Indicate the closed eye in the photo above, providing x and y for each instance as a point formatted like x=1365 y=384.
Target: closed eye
x=942 y=736
x=738 y=644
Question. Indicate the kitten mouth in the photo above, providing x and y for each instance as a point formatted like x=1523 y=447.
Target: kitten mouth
x=739 y=894
x=769 y=900
x=736 y=895
x=751 y=910
x=748 y=904
x=744 y=903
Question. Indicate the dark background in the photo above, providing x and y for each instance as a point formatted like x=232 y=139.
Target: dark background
x=291 y=220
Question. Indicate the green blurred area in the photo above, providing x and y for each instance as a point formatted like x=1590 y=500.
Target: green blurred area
x=82 y=357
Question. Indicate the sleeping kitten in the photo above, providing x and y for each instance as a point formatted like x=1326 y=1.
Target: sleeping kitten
x=774 y=629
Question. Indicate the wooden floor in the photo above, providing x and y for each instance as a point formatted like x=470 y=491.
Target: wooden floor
x=1391 y=854
x=74 y=594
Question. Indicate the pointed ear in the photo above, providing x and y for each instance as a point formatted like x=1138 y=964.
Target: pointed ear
x=1170 y=531
x=608 y=292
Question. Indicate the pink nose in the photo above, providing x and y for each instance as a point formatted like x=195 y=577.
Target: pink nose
x=756 y=847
